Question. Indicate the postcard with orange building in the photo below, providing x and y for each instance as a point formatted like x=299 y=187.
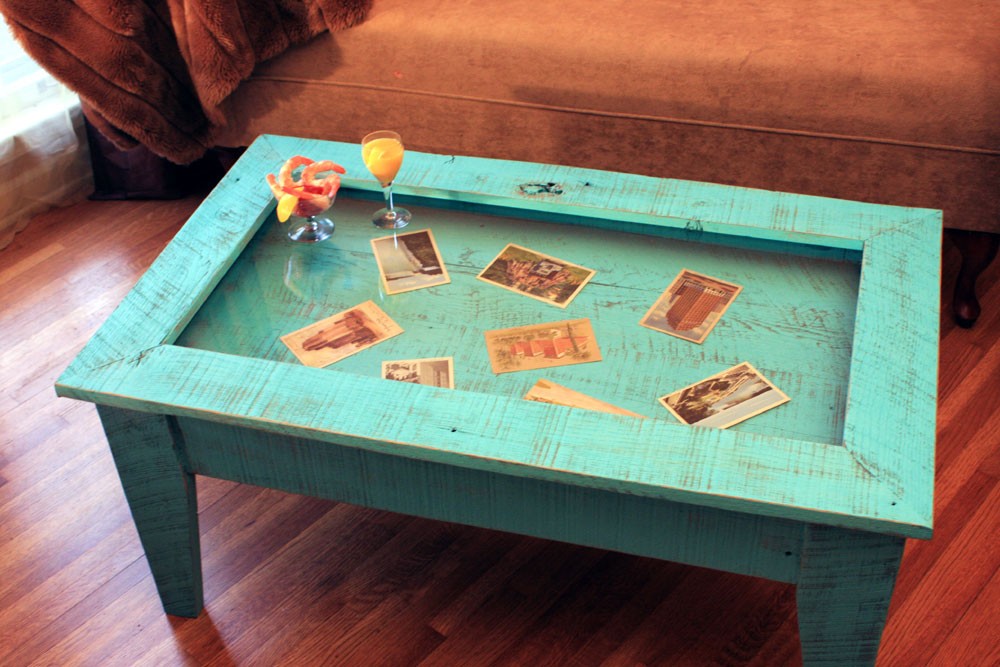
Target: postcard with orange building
x=691 y=306
x=542 y=277
x=341 y=335
x=537 y=346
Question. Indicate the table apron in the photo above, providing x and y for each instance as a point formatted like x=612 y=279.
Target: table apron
x=683 y=533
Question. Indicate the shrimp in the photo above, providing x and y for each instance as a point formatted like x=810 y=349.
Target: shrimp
x=309 y=173
x=330 y=185
x=285 y=175
x=275 y=188
x=311 y=195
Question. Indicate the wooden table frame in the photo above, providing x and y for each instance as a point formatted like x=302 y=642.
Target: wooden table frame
x=831 y=520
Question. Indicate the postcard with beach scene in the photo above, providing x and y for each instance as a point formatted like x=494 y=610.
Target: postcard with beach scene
x=691 y=306
x=341 y=335
x=539 y=276
x=724 y=399
x=546 y=391
x=409 y=261
x=537 y=346
x=434 y=372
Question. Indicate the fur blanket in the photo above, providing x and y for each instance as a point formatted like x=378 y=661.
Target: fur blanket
x=156 y=71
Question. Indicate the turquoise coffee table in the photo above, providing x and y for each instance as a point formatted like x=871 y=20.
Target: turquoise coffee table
x=839 y=309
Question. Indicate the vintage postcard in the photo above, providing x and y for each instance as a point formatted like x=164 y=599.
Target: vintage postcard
x=546 y=345
x=435 y=372
x=341 y=335
x=724 y=399
x=409 y=261
x=539 y=276
x=691 y=306
x=546 y=391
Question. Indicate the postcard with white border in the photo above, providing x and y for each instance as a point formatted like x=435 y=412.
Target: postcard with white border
x=409 y=261
x=691 y=306
x=341 y=335
x=545 y=345
x=724 y=399
x=434 y=372
x=546 y=391
x=536 y=275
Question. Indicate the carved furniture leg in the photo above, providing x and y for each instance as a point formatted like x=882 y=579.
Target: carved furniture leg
x=845 y=583
x=161 y=495
x=978 y=250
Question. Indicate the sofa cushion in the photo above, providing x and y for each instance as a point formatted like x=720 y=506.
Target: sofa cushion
x=710 y=91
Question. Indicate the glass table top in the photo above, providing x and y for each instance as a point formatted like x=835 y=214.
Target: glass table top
x=793 y=321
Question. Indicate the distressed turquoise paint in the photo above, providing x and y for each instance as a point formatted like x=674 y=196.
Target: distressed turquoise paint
x=843 y=592
x=161 y=494
x=806 y=304
x=839 y=310
x=679 y=532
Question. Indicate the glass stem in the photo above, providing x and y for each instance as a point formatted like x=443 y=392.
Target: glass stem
x=387 y=190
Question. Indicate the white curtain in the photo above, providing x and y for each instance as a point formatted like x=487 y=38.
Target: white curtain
x=44 y=159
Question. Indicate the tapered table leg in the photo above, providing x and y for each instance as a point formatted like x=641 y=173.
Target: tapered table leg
x=161 y=495
x=845 y=583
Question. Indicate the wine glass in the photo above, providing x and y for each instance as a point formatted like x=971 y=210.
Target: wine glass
x=382 y=152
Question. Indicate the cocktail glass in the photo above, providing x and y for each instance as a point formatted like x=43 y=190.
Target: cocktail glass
x=382 y=152
x=306 y=197
x=311 y=229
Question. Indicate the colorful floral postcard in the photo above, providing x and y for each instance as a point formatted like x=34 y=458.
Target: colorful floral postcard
x=536 y=275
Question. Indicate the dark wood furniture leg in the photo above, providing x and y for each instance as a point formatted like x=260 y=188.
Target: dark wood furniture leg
x=978 y=249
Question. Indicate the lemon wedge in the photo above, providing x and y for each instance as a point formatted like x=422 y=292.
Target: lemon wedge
x=286 y=205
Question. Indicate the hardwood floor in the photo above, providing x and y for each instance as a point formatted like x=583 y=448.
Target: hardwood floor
x=299 y=581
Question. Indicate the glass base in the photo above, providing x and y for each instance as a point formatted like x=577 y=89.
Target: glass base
x=394 y=219
x=312 y=230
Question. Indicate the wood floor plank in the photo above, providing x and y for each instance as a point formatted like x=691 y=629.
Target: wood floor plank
x=293 y=580
x=953 y=584
x=336 y=546
x=575 y=623
x=112 y=635
x=67 y=599
x=529 y=593
x=975 y=638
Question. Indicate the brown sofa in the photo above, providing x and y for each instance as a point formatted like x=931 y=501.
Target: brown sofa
x=894 y=102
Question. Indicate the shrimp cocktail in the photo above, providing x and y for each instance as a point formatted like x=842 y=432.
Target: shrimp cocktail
x=307 y=196
x=382 y=153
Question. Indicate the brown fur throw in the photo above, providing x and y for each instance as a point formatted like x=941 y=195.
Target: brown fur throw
x=156 y=71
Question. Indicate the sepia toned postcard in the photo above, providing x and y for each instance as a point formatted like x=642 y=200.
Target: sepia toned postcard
x=434 y=372
x=409 y=261
x=724 y=399
x=341 y=335
x=546 y=345
x=539 y=276
x=546 y=391
x=691 y=306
